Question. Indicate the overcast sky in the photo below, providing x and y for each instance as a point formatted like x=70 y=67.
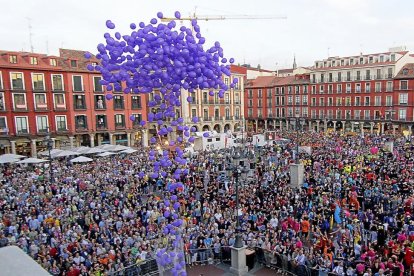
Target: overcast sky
x=313 y=28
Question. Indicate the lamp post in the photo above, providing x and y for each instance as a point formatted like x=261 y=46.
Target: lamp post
x=49 y=144
x=298 y=122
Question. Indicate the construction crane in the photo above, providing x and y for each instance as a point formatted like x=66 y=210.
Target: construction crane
x=223 y=17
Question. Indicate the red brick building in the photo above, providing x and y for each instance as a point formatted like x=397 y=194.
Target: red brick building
x=364 y=93
x=56 y=94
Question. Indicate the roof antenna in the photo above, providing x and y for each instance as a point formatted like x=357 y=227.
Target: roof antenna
x=30 y=33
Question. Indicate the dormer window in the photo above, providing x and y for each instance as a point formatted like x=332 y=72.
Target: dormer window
x=361 y=60
x=73 y=63
x=405 y=71
x=13 y=59
x=33 y=60
x=52 y=62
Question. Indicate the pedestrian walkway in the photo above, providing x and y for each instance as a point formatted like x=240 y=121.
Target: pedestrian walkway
x=224 y=270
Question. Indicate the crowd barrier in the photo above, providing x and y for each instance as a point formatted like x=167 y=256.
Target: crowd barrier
x=145 y=268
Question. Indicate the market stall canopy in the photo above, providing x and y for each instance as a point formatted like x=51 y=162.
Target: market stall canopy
x=8 y=159
x=53 y=152
x=11 y=155
x=128 y=151
x=81 y=159
x=66 y=153
x=31 y=161
x=104 y=154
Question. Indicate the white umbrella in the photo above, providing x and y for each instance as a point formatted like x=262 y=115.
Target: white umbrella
x=93 y=150
x=128 y=151
x=118 y=148
x=105 y=146
x=5 y=159
x=31 y=161
x=81 y=159
x=52 y=152
x=103 y=154
x=66 y=153
x=12 y=155
x=81 y=149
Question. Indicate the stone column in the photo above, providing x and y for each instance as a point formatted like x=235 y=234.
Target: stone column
x=111 y=139
x=382 y=128
x=343 y=126
x=34 y=149
x=334 y=125
x=274 y=124
x=71 y=141
x=92 y=139
x=256 y=125
x=54 y=143
x=372 y=127
x=99 y=138
x=265 y=124
x=144 y=138
x=310 y=126
x=129 y=139
x=281 y=125
x=317 y=126
x=325 y=125
x=13 y=147
x=410 y=130
x=352 y=126
x=238 y=261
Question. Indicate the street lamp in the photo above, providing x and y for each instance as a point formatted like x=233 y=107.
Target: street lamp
x=298 y=122
x=48 y=142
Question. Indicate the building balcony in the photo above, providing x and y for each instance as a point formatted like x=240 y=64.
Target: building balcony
x=81 y=128
x=207 y=119
x=79 y=107
x=22 y=132
x=20 y=108
x=217 y=118
x=101 y=127
x=119 y=126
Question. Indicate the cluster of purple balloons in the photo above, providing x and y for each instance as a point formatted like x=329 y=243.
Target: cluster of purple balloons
x=167 y=60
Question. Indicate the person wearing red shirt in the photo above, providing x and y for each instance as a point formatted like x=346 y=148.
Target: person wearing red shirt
x=73 y=271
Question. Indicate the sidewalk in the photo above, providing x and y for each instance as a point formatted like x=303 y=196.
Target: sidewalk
x=224 y=270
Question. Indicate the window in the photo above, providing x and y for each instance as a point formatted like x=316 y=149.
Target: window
x=358 y=76
x=348 y=88
x=377 y=87
x=388 y=101
x=321 y=88
x=226 y=98
x=118 y=102
x=226 y=81
x=313 y=89
x=381 y=58
x=392 y=57
x=405 y=71
x=79 y=102
x=81 y=122
x=321 y=101
x=77 y=84
x=17 y=81
x=378 y=74
x=100 y=102
x=403 y=85
x=313 y=102
x=289 y=89
x=290 y=100
x=59 y=101
x=237 y=98
x=389 y=73
x=305 y=99
x=1 y=81
x=330 y=77
x=389 y=86
x=305 y=89
x=305 y=112
x=367 y=101
x=237 y=113
x=297 y=89
x=402 y=114
x=19 y=101
x=119 y=120
x=38 y=82
x=367 y=114
x=3 y=125
x=322 y=78
x=297 y=99
x=236 y=85
x=250 y=94
x=403 y=98
x=357 y=101
x=357 y=87
x=330 y=89
x=101 y=122
x=338 y=101
x=42 y=124
x=97 y=87
x=33 y=60
x=21 y=125
x=367 y=87
x=348 y=76
x=367 y=74
x=193 y=112
x=339 y=88
x=357 y=114
x=13 y=59
x=259 y=93
x=57 y=82
x=348 y=101
x=40 y=101
x=138 y=119
x=227 y=114
x=52 y=62
x=136 y=102
x=61 y=123
x=2 y=106
x=73 y=63
x=377 y=100
x=250 y=112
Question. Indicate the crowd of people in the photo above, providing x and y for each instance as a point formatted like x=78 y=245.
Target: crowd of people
x=354 y=215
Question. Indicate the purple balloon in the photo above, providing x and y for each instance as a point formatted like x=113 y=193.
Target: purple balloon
x=194 y=119
x=191 y=139
x=109 y=97
x=132 y=118
x=177 y=15
x=160 y=15
x=189 y=99
x=206 y=135
x=110 y=25
x=166 y=214
x=88 y=55
x=133 y=26
x=142 y=123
